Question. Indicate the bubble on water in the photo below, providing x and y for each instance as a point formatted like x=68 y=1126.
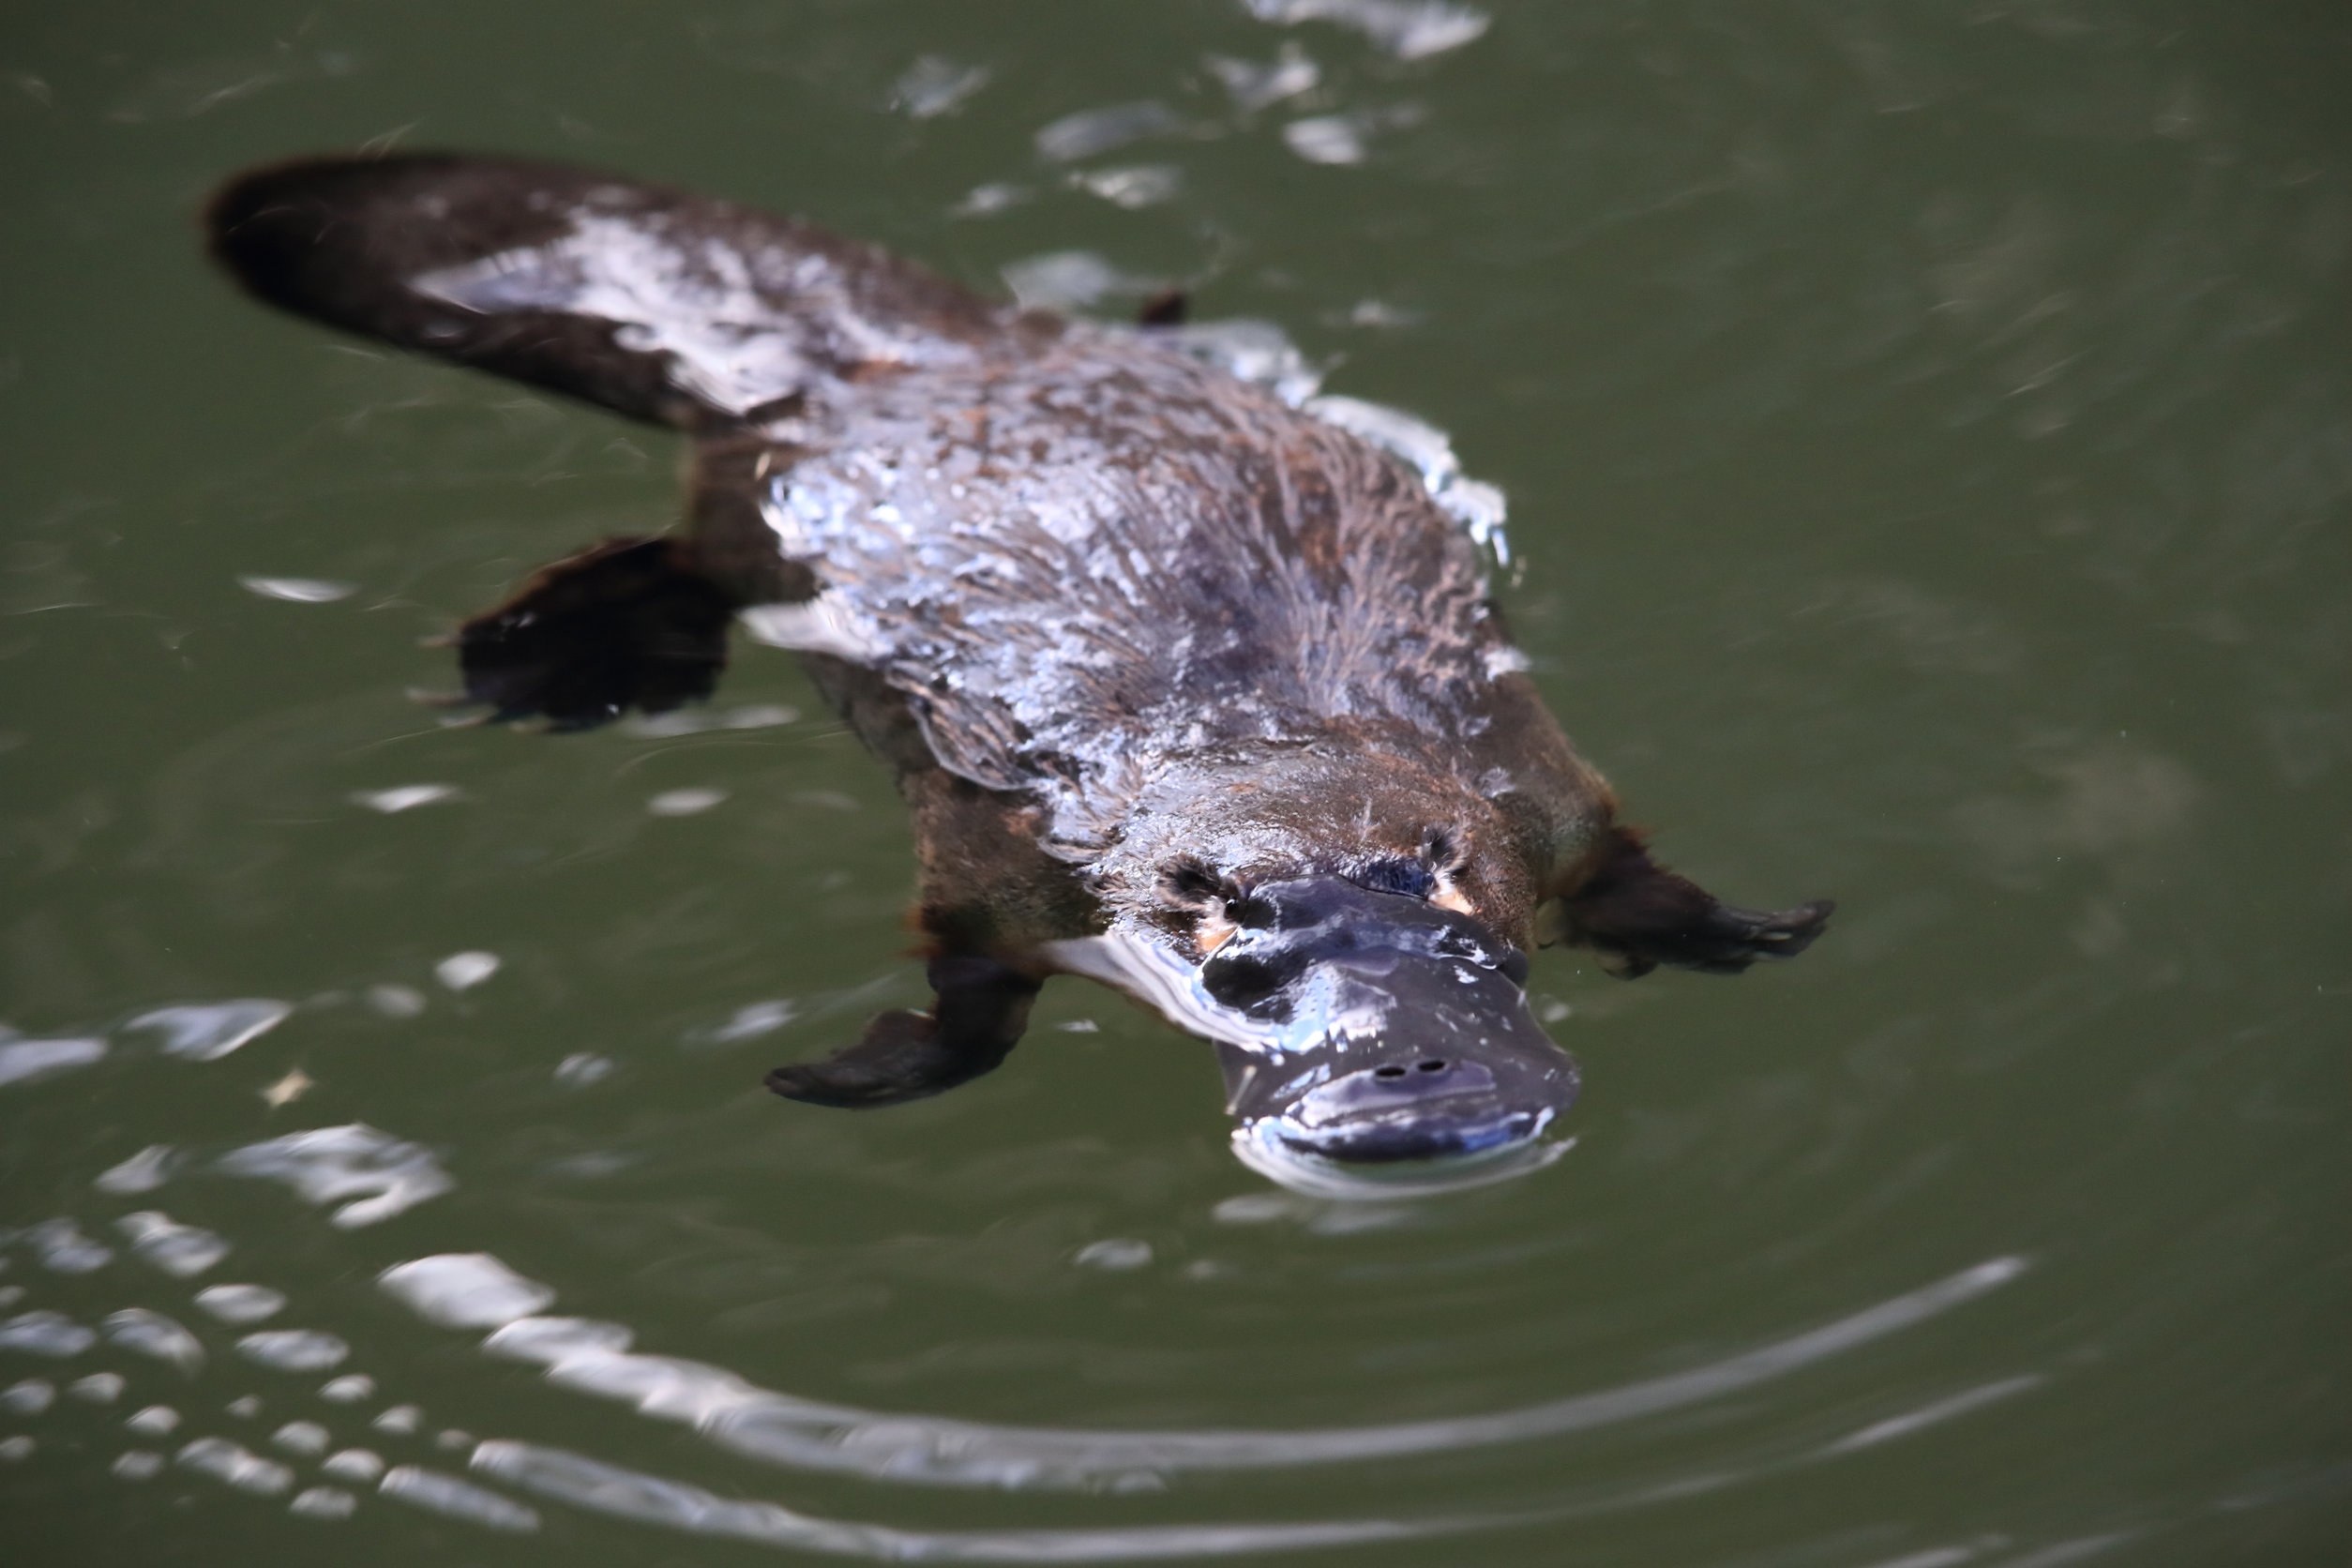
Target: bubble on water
x=210 y=1030
x=298 y=589
x=453 y=1438
x=1254 y=86
x=404 y=797
x=1326 y=139
x=151 y=1333
x=358 y=1465
x=459 y=1500
x=145 y=1172
x=684 y=802
x=10 y=1294
x=179 y=1250
x=464 y=1291
x=462 y=971
x=137 y=1464
x=347 y=1390
x=384 y=1175
x=245 y=1407
x=934 y=85
x=1115 y=1254
x=400 y=1420
x=98 y=1388
x=16 y=1450
x=294 y=1349
x=45 y=1334
x=582 y=1069
x=748 y=1023
x=306 y=1438
x=1141 y=185
x=240 y=1468
x=323 y=1502
x=156 y=1421
x=985 y=201
x=29 y=1397
x=1098 y=131
x=1408 y=29
x=396 y=1001
x=62 y=1248
x=23 y=1061
x=240 y=1304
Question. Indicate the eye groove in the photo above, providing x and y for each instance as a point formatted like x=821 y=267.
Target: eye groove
x=1190 y=885
x=1252 y=913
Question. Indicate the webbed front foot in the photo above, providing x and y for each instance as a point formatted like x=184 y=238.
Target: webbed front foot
x=981 y=1010
x=1636 y=914
x=626 y=623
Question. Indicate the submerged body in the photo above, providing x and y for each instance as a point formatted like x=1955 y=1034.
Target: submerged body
x=1190 y=691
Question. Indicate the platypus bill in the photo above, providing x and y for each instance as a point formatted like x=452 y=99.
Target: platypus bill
x=1190 y=691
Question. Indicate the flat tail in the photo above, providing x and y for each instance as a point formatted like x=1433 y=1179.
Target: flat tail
x=662 y=306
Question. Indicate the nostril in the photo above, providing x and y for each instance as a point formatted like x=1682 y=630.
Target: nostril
x=1388 y=1072
x=1432 y=1065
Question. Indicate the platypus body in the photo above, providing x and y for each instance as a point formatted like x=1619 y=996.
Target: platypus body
x=1190 y=692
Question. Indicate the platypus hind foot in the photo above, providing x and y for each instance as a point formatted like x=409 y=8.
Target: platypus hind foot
x=1638 y=914
x=982 y=1008
x=627 y=623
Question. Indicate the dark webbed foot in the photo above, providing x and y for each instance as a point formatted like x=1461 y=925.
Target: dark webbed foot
x=981 y=1009
x=1636 y=914
x=628 y=623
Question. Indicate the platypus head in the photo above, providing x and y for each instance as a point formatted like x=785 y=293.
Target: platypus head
x=1391 y=1041
x=1346 y=921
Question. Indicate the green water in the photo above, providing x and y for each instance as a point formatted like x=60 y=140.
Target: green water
x=1928 y=430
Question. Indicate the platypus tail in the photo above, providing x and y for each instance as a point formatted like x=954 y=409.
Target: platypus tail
x=656 y=304
x=662 y=306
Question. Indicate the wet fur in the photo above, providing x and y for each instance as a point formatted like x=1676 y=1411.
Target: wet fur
x=1137 y=635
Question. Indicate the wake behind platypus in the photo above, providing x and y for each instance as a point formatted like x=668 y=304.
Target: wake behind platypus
x=1190 y=691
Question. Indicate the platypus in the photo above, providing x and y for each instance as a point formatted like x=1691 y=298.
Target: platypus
x=1190 y=691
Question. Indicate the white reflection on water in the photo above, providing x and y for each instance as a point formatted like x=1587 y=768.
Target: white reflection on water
x=200 y=1031
x=381 y=1175
x=1409 y=29
x=475 y=1290
x=595 y=1358
x=586 y=1483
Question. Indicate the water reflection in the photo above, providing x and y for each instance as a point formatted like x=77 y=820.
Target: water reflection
x=477 y=1291
x=594 y=1358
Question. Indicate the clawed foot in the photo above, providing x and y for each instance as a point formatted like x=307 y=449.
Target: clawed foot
x=1636 y=915
x=899 y=1057
x=981 y=1009
x=629 y=624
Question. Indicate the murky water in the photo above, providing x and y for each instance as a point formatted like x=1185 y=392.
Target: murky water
x=1928 y=436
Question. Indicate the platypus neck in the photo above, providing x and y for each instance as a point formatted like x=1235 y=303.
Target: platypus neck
x=1370 y=809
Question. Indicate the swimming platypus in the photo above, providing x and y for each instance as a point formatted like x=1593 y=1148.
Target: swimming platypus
x=1190 y=691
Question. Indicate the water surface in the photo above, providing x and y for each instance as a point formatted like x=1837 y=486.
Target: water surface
x=1928 y=436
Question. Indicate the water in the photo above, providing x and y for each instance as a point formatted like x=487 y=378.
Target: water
x=1928 y=438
